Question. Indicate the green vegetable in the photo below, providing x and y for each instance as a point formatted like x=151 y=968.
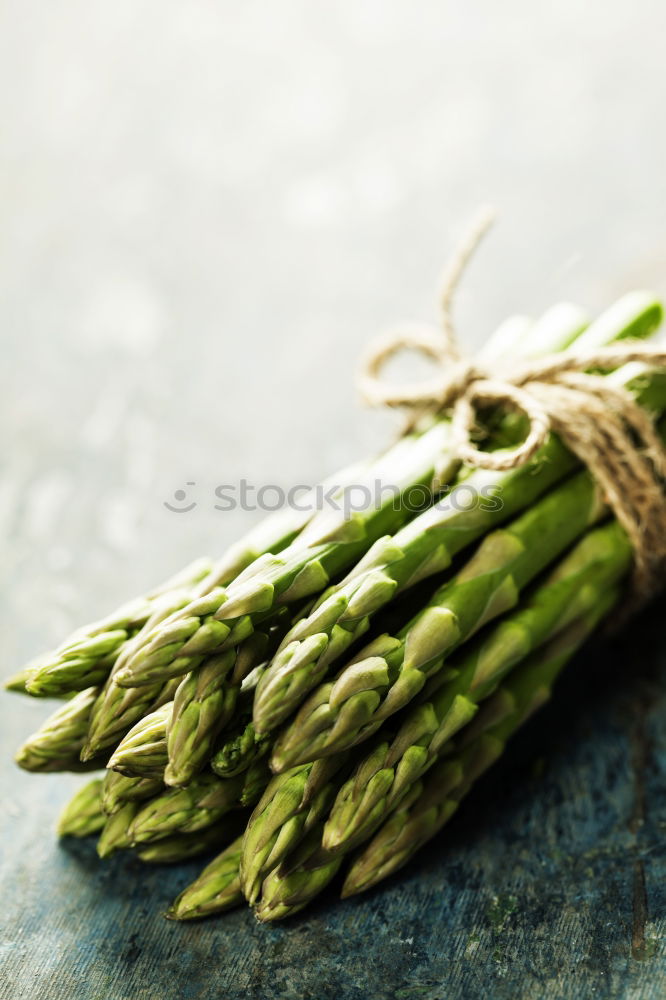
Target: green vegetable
x=292 y=804
x=432 y=802
x=217 y=888
x=118 y=789
x=383 y=777
x=115 y=834
x=205 y=703
x=143 y=752
x=185 y=810
x=118 y=709
x=83 y=814
x=57 y=743
x=300 y=877
x=428 y=544
x=330 y=543
x=241 y=746
x=87 y=657
x=392 y=670
x=182 y=846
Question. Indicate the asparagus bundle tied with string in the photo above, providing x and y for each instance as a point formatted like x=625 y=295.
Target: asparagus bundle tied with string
x=316 y=704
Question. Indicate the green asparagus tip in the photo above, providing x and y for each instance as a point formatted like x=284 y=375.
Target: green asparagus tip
x=181 y=914
x=18 y=682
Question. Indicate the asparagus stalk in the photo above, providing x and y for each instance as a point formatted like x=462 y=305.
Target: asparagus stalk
x=182 y=846
x=242 y=746
x=428 y=544
x=83 y=815
x=86 y=658
x=118 y=789
x=385 y=776
x=89 y=654
x=115 y=833
x=215 y=890
x=205 y=703
x=431 y=803
x=392 y=670
x=292 y=804
x=255 y=780
x=185 y=810
x=117 y=710
x=57 y=743
x=18 y=682
x=331 y=541
x=280 y=528
x=143 y=752
x=301 y=877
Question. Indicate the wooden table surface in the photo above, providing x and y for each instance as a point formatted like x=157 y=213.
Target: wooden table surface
x=207 y=210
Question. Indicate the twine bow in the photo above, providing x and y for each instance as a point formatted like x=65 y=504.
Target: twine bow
x=597 y=419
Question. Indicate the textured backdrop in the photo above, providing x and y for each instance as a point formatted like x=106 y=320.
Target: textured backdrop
x=207 y=208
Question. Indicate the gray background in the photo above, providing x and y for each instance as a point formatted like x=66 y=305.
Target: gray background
x=207 y=210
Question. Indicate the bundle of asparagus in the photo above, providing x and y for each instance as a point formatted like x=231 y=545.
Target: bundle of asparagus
x=234 y=707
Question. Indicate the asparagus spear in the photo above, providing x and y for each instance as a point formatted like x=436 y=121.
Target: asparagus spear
x=57 y=743
x=428 y=544
x=83 y=815
x=89 y=654
x=197 y=719
x=182 y=846
x=215 y=890
x=143 y=752
x=384 y=776
x=280 y=528
x=117 y=710
x=241 y=747
x=432 y=802
x=115 y=834
x=19 y=681
x=199 y=722
x=255 y=780
x=205 y=702
x=118 y=789
x=391 y=670
x=301 y=877
x=292 y=804
x=635 y=315
x=185 y=810
x=331 y=541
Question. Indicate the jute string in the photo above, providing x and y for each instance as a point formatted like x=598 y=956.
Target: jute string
x=599 y=421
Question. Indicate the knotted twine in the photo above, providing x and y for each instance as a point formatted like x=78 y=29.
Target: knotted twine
x=598 y=420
